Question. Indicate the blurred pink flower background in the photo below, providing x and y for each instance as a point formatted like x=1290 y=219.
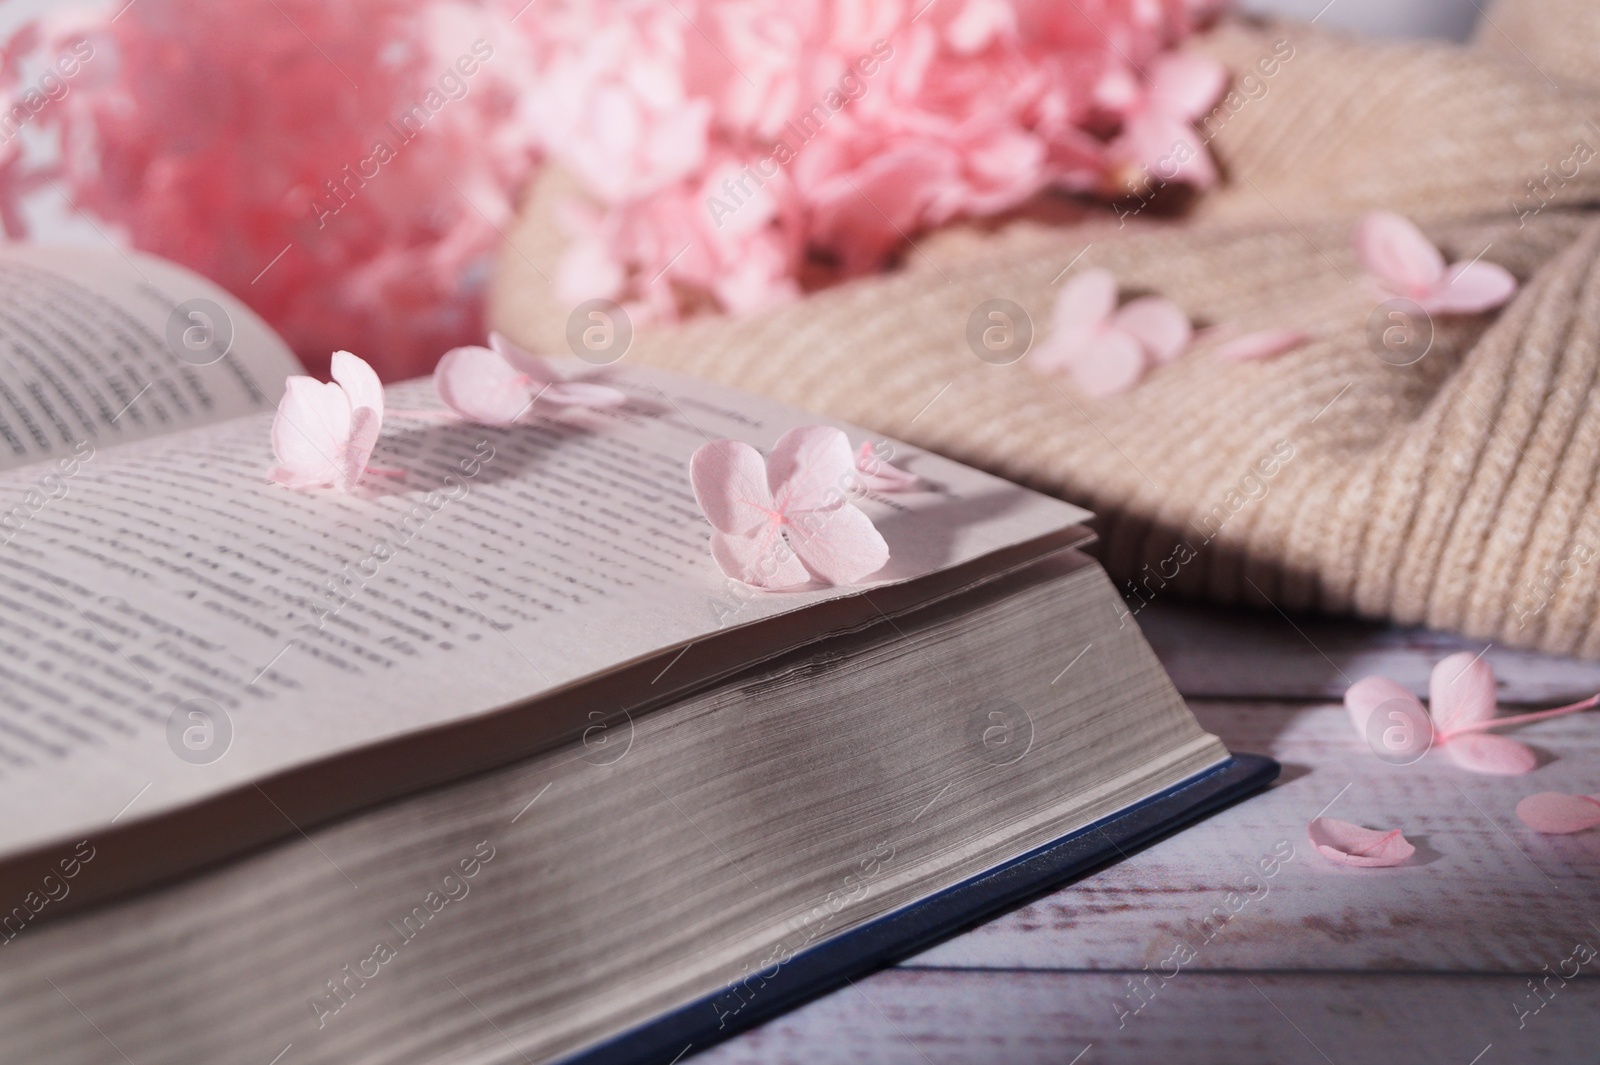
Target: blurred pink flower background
x=349 y=169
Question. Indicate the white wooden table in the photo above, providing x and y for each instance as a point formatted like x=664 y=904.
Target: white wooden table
x=1322 y=964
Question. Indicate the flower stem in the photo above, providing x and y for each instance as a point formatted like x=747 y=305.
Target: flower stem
x=1522 y=719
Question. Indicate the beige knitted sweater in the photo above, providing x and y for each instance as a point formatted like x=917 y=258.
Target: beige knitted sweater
x=1458 y=491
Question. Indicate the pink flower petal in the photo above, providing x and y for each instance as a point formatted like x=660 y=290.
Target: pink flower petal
x=1363 y=698
x=1484 y=752
x=729 y=478
x=1168 y=146
x=1082 y=311
x=587 y=271
x=482 y=386
x=324 y=434
x=1348 y=844
x=309 y=433
x=839 y=546
x=1110 y=363
x=581 y=394
x=1085 y=301
x=1186 y=83
x=1157 y=323
x=1461 y=691
x=1262 y=344
x=359 y=381
x=979 y=22
x=365 y=424
x=504 y=383
x=547 y=385
x=1396 y=251
x=762 y=558
x=1060 y=350
x=520 y=357
x=1469 y=288
x=1554 y=813
x=879 y=476
x=811 y=468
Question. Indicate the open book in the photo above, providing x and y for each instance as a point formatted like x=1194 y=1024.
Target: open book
x=197 y=663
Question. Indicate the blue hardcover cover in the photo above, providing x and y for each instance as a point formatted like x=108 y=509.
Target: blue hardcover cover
x=831 y=963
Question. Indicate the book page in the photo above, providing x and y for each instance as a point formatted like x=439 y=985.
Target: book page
x=176 y=626
x=98 y=348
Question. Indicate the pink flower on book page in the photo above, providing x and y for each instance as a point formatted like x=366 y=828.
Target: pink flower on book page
x=1407 y=264
x=325 y=431
x=1556 y=814
x=1348 y=844
x=1158 y=131
x=502 y=383
x=1461 y=697
x=1104 y=349
x=786 y=520
x=878 y=476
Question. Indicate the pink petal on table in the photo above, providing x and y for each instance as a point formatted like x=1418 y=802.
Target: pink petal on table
x=482 y=385
x=1111 y=362
x=1469 y=288
x=1158 y=324
x=1461 y=691
x=1554 y=813
x=1397 y=252
x=1262 y=344
x=1348 y=844
x=1484 y=752
x=1363 y=698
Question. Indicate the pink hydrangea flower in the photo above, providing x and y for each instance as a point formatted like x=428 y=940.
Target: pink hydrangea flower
x=829 y=132
x=1105 y=349
x=1158 y=132
x=1406 y=263
x=1461 y=712
x=728 y=151
x=353 y=201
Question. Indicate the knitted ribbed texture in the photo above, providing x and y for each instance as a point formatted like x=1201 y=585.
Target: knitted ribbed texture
x=1558 y=38
x=1458 y=491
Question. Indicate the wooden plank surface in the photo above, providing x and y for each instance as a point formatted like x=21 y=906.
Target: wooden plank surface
x=1221 y=654
x=1318 y=963
x=904 y=1017
x=1485 y=894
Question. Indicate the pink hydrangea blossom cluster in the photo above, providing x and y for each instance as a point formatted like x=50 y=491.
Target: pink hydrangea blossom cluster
x=349 y=169
x=727 y=146
x=341 y=167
